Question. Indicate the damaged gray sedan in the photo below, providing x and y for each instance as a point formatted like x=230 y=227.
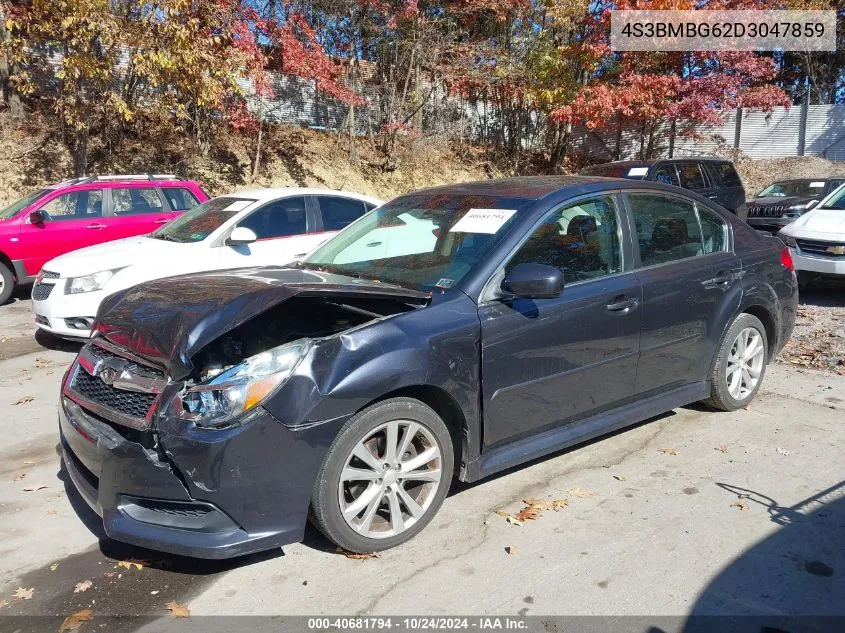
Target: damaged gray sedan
x=434 y=338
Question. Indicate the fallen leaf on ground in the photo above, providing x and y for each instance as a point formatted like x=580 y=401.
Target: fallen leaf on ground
x=28 y=463
x=34 y=487
x=54 y=567
x=511 y=550
x=356 y=555
x=129 y=564
x=722 y=448
x=577 y=492
x=620 y=477
x=740 y=504
x=51 y=512
x=19 y=477
x=781 y=451
x=669 y=451
x=23 y=400
x=547 y=504
x=23 y=594
x=3 y=603
x=513 y=521
x=152 y=593
x=73 y=622
x=502 y=513
x=85 y=585
x=178 y=610
x=42 y=362
x=529 y=513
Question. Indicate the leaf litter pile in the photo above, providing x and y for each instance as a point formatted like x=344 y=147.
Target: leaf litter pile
x=533 y=510
x=818 y=341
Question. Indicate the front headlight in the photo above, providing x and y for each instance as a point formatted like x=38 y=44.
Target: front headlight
x=217 y=402
x=90 y=283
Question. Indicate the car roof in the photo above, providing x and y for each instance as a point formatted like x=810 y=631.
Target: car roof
x=167 y=180
x=821 y=179
x=271 y=193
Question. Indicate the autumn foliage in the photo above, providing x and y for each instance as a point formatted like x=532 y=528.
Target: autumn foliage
x=539 y=67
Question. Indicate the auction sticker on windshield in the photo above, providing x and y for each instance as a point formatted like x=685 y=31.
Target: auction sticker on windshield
x=482 y=220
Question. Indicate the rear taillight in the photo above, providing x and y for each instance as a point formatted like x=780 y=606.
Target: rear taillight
x=786 y=259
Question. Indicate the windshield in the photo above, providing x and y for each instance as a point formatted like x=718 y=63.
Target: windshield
x=616 y=170
x=799 y=188
x=418 y=241
x=836 y=200
x=200 y=222
x=14 y=208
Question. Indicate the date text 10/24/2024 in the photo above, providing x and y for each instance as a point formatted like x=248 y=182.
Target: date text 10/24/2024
x=407 y=623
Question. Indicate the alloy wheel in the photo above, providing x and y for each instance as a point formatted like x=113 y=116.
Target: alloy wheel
x=391 y=478
x=745 y=363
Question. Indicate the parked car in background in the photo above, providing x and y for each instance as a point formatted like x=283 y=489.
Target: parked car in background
x=714 y=178
x=248 y=228
x=785 y=201
x=508 y=319
x=85 y=211
x=817 y=239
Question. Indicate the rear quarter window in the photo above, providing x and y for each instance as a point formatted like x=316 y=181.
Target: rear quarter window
x=727 y=174
x=180 y=198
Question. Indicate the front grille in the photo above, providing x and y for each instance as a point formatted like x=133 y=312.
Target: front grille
x=127 y=403
x=46 y=274
x=141 y=370
x=772 y=211
x=825 y=249
x=42 y=291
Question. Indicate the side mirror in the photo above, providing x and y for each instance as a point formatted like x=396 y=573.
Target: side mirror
x=534 y=281
x=36 y=217
x=241 y=235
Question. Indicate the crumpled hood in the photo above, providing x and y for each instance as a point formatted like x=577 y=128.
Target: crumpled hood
x=112 y=255
x=822 y=224
x=169 y=320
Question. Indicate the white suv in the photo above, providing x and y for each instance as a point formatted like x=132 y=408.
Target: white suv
x=816 y=240
x=247 y=228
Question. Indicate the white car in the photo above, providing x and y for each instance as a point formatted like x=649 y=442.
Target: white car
x=816 y=240
x=247 y=228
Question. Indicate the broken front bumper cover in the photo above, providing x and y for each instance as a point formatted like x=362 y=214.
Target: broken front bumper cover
x=150 y=502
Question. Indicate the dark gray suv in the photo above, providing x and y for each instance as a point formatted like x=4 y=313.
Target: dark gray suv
x=712 y=177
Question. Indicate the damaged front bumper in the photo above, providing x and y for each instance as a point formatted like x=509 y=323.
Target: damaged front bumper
x=196 y=492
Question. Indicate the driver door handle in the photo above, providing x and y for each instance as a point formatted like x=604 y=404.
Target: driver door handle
x=96 y=226
x=163 y=221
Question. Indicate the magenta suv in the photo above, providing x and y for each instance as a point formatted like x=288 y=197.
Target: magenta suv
x=83 y=212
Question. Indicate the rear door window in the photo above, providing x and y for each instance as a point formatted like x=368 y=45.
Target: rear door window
x=136 y=201
x=339 y=212
x=691 y=176
x=76 y=205
x=281 y=218
x=179 y=198
x=667 y=228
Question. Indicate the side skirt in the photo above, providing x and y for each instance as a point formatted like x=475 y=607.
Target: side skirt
x=561 y=437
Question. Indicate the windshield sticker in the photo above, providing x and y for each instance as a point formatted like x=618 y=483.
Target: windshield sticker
x=445 y=282
x=638 y=171
x=817 y=184
x=482 y=221
x=239 y=205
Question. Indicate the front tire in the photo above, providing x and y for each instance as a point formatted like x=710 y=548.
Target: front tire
x=740 y=364
x=384 y=477
x=7 y=283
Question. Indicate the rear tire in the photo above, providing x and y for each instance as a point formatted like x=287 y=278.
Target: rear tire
x=369 y=497
x=7 y=283
x=740 y=364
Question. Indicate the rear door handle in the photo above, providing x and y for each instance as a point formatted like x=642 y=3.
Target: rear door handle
x=713 y=197
x=96 y=226
x=164 y=221
x=722 y=279
x=622 y=304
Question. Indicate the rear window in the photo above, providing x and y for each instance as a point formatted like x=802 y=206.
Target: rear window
x=727 y=174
